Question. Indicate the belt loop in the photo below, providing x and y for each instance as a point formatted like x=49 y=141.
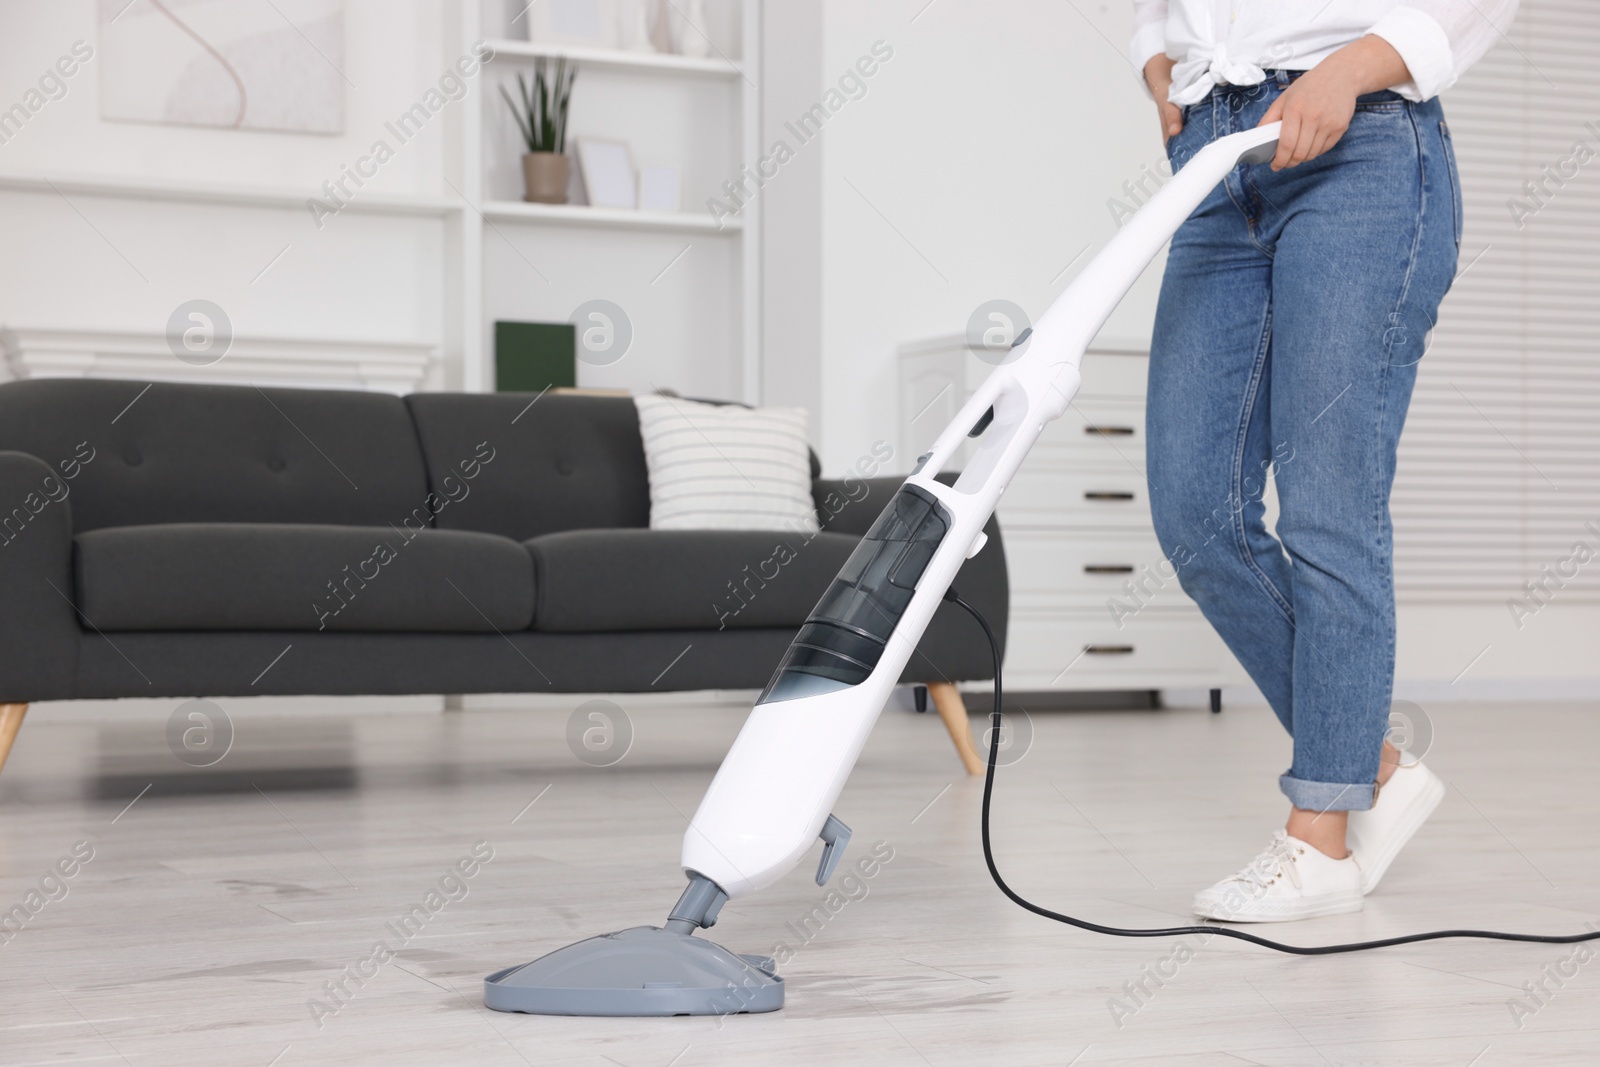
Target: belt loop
x=1281 y=77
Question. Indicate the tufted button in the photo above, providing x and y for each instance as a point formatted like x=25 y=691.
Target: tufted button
x=275 y=464
x=132 y=456
x=564 y=463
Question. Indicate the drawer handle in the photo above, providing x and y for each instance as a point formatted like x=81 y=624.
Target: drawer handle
x=1108 y=568
x=1108 y=650
x=1109 y=431
x=1097 y=494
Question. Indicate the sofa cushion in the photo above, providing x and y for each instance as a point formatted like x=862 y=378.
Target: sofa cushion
x=726 y=466
x=261 y=576
x=619 y=580
x=143 y=453
x=566 y=462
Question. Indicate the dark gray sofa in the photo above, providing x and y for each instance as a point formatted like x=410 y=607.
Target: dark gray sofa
x=173 y=540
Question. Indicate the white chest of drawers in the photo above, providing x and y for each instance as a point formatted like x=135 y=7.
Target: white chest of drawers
x=1094 y=606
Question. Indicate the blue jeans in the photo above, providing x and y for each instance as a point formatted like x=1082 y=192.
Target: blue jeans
x=1293 y=313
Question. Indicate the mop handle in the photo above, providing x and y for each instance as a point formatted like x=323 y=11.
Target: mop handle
x=774 y=792
x=1063 y=333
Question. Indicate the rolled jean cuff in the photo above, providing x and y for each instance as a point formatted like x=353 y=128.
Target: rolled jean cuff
x=1327 y=796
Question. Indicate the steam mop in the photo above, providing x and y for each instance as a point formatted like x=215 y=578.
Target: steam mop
x=774 y=793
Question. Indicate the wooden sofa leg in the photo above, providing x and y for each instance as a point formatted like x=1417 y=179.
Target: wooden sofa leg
x=10 y=722
x=947 y=698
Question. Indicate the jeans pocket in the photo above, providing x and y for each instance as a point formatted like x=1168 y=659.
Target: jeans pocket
x=1456 y=216
x=1386 y=101
x=1173 y=145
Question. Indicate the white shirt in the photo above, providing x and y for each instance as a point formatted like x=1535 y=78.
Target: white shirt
x=1234 y=41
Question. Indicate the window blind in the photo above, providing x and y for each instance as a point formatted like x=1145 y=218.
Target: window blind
x=1500 y=460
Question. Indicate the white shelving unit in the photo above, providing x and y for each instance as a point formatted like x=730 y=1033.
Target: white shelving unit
x=714 y=66
x=607 y=218
x=436 y=266
x=688 y=282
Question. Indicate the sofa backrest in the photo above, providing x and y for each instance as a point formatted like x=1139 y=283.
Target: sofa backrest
x=498 y=463
x=214 y=453
x=567 y=462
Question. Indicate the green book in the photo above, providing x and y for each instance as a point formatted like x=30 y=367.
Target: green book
x=533 y=356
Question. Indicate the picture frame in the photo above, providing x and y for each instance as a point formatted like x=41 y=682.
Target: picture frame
x=608 y=178
x=153 y=68
x=658 y=189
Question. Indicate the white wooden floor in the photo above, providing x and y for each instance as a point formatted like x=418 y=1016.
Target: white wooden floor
x=218 y=906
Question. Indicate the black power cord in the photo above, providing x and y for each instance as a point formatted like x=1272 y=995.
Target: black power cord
x=1172 y=931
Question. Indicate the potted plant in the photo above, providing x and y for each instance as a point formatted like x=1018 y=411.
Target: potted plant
x=541 y=114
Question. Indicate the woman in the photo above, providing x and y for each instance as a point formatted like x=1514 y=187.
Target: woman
x=1296 y=304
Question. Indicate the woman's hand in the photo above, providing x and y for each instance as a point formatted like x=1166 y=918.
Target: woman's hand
x=1158 y=76
x=1317 y=107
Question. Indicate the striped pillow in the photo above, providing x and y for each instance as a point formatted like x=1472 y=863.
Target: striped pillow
x=724 y=467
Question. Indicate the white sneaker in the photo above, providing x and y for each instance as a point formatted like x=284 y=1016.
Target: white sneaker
x=1404 y=803
x=1289 y=880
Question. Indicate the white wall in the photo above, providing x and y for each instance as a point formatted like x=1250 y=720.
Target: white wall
x=980 y=162
x=976 y=167
x=108 y=258
x=117 y=262
x=390 y=51
x=791 y=212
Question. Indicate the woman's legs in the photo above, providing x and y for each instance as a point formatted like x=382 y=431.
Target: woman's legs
x=1208 y=430
x=1311 y=376
x=1364 y=242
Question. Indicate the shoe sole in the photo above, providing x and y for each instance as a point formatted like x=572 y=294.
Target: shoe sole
x=1419 y=812
x=1256 y=912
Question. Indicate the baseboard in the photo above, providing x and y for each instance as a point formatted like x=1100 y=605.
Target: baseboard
x=145 y=708
x=699 y=698
x=1426 y=691
x=1422 y=691
x=1499 y=690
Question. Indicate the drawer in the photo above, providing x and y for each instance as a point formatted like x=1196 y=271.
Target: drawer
x=935 y=377
x=1093 y=433
x=1089 y=651
x=1042 y=496
x=1063 y=569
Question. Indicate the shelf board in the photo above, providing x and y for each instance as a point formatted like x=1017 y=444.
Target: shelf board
x=204 y=193
x=607 y=218
x=617 y=59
